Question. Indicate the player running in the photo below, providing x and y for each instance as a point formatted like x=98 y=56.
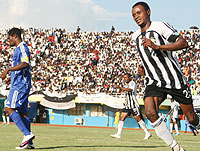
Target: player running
x=155 y=42
x=131 y=107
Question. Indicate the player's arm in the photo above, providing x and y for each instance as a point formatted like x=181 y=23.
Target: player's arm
x=20 y=66
x=169 y=112
x=181 y=43
x=124 y=89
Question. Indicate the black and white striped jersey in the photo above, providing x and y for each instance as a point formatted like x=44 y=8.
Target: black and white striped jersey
x=161 y=67
x=131 y=100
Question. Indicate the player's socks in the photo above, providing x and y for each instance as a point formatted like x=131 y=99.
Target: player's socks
x=4 y=119
x=163 y=132
x=143 y=126
x=19 y=123
x=176 y=128
x=120 y=127
x=8 y=120
x=171 y=127
x=27 y=123
x=192 y=130
x=198 y=125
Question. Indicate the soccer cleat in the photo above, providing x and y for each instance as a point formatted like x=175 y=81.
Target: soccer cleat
x=177 y=134
x=24 y=147
x=115 y=136
x=30 y=146
x=147 y=135
x=26 y=139
x=178 y=148
x=27 y=146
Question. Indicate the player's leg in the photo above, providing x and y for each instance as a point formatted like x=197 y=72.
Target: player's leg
x=143 y=126
x=151 y=111
x=14 y=115
x=4 y=118
x=122 y=117
x=192 y=130
x=192 y=117
x=184 y=97
x=8 y=119
x=23 y=111
x=14 y=101
x=186 y=127
x=171 y=125
x=175 y=126
x=27 y=123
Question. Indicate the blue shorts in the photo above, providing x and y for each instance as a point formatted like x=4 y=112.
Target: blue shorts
x=17 y=100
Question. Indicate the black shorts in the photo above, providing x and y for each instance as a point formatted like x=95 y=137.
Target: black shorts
x=182 y=95
x=134 y=112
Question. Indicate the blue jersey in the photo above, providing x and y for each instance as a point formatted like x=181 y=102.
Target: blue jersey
x=21 y=80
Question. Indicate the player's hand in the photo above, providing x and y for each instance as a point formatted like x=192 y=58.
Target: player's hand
x=3 y=75
x=148 y=43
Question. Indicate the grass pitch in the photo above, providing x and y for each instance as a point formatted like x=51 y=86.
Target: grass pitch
x=54 y=138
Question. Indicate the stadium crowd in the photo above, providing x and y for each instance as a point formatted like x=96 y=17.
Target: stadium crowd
x=91 y=62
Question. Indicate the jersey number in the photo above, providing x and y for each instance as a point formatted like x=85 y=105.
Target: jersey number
x=187 y=93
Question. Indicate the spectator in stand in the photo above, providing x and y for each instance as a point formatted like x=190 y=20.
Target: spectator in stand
x=89 y=60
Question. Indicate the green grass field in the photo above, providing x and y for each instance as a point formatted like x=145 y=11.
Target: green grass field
x=50 y=138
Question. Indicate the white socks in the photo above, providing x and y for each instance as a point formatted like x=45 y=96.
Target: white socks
x=4 y=119
x=176 y=128
x=143 y=126
x=163 y=132
x=198 y=126
x=120 y=127
x=8 y=120
x=171 y=127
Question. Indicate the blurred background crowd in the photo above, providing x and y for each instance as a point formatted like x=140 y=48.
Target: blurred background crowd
x=91 y=62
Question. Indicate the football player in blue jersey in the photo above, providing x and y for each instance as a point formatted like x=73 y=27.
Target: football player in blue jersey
x=16 y=105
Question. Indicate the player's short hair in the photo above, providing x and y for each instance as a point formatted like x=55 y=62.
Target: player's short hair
x=145 y=5
x=15 y=31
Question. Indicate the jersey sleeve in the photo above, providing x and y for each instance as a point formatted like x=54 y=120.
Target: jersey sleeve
x=169 y=32
x=24 y=55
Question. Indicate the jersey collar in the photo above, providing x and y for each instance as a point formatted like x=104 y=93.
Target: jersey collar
x=21 y=43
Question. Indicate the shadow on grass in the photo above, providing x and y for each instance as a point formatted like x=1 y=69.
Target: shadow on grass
x=99 y=146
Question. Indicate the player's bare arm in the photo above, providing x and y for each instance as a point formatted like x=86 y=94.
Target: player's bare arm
x=169 y=112
x=124 y=89
x=15 y=68
x=181 y=43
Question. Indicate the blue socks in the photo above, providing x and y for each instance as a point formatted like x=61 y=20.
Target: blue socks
x=19 y=123
x=27 y=123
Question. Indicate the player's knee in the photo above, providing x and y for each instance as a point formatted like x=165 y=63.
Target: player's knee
x=8 y=110
x=122 y=118
x=137 y=118
x=191 y=119
x=150 y=114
